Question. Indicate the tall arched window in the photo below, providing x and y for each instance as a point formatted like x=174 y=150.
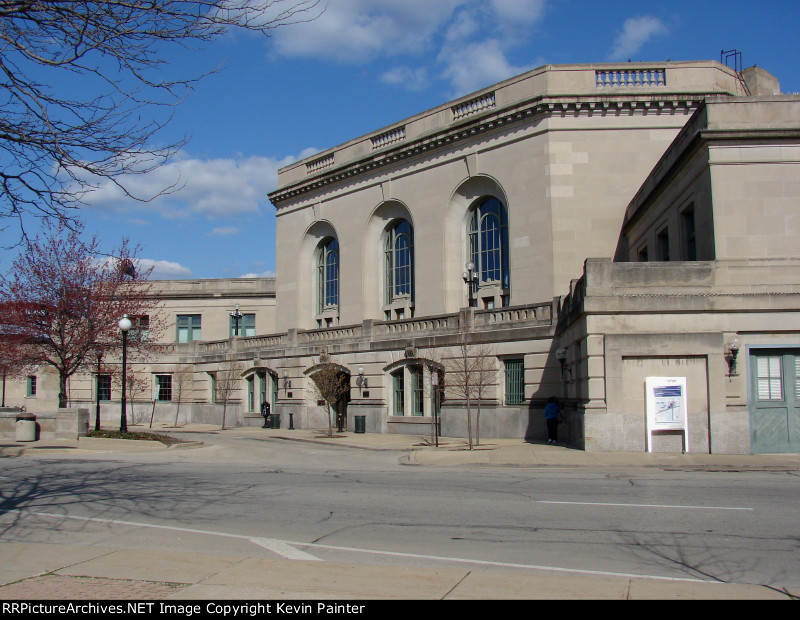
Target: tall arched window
x=328 y=275
x=488 y=251
x=399 y=262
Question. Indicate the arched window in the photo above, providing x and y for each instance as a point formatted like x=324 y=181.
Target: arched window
x=414 y=393
x=488 y=251
x=328 y=275
x=399 y=262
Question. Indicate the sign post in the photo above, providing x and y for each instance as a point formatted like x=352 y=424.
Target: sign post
x=666 y=408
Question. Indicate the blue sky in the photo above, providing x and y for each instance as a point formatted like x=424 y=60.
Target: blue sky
x=367 y=63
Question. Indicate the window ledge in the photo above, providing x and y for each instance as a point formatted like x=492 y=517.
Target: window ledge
x=417 y=419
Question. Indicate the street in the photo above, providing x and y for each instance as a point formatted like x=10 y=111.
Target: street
x=274 y=498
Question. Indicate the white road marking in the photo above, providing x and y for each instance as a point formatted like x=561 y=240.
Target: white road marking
x=644 y=505
x=283 y=544
x=284 y=549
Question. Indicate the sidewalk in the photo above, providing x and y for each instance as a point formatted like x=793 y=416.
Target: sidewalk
x=451 y=452
x=32 y=571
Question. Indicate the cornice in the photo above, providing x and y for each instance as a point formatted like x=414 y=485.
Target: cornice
x=541 y=108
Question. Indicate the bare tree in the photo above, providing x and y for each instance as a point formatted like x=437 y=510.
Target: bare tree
x=227 y=380
x=182 y=380
x=61 y=301
x=470 y=372
x=331 y=383
x=83 y=83
x=135 y=386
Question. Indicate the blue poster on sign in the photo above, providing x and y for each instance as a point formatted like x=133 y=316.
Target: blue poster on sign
x=666 y=406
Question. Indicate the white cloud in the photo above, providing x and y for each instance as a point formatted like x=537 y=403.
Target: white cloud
x=224 y=231
x=210 y=188
x=263 y=274
x=636 y=31
x=462 y=32
x=476 y=65
x=163 y=269
x=408 y=78
x=358 y=30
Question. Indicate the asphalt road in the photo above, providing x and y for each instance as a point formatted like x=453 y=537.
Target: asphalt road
x=295 y=500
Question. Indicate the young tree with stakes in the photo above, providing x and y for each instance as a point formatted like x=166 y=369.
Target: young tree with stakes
x=470 y=370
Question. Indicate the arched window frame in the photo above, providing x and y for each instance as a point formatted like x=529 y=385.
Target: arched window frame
x=488 y=251
x=398 y=249
x=411 y=393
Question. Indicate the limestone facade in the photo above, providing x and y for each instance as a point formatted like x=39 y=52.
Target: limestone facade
x=623 y=222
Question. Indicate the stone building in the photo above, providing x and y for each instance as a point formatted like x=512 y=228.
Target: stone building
x=578 y=229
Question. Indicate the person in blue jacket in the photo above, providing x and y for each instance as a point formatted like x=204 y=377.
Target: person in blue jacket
x=551 y=414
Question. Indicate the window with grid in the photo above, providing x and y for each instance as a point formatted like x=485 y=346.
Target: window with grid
x=140 y=328
x=31 y=386
x=488 y=243
x=188 y=326
x=417 y=406
x=398 y=391
x=251 y=393
x=769 y=370
x=103 y=387
x=399 y=261
x=328 y=275
x=247 y=325
x=515 y=381
x=164 y=385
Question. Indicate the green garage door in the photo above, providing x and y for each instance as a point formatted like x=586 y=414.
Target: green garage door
x=775 y=400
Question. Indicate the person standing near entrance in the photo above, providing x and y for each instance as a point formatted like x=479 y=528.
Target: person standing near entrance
x=551 y=413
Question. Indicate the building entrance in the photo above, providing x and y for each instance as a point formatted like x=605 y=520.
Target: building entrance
x=774 y=400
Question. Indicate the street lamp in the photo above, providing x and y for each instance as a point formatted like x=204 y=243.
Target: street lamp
x=124 y=327
x=470 y=278
x=236 y=316
x=99 y=353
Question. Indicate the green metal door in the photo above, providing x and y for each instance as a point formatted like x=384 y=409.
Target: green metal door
x=775 y=400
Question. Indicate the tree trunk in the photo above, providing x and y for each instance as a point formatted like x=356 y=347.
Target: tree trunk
x=62 y=390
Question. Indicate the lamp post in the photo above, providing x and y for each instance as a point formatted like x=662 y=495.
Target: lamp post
x=236 y=316
x=124 y=326
x=99 y=353
x=470 y=277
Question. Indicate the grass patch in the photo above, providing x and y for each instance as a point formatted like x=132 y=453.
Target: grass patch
x=165 y=439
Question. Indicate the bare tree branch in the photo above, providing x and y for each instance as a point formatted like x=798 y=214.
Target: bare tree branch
x=85 y=88
x=61 y=303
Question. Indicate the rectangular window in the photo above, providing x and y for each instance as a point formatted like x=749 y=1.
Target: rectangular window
x=662 y=245
x=31 y=386
x=188 y=326
x=247 y=325
x=103 y=387
x=140 y=330
x=251 y=394
x=770 y=377
x=689 y=241
x=164 y=386
x=212 y=378
x=417 y=407
x=398 y=388
x=515 y=381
